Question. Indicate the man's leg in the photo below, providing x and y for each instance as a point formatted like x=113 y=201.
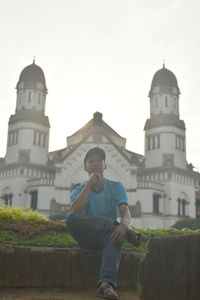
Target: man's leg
x=89 y=231
x=94 y=233
x=110 y=261
x=132 y=236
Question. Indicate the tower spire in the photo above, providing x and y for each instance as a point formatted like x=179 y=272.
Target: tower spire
x=163 y=63
x=33 y=59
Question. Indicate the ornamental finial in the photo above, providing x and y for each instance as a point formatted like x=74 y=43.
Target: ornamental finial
x=163 y=63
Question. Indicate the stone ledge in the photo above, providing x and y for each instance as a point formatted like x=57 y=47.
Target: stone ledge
x=59 y=294
x=59 y=267
x=170 y=269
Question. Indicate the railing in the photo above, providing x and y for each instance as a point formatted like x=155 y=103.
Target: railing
x=150 y=185
x=40 y=181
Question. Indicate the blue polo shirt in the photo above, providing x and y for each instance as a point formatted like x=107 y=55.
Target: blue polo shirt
x=105 y=202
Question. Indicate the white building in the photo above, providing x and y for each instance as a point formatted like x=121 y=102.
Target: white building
x=160 y=185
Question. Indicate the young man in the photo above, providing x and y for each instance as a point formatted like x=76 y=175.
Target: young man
x=93 y=219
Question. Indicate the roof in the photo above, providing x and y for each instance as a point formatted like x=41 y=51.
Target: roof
x=96 y=121
x=95 y=126
x=32 y=74
x=164 y=120
x=164 y=78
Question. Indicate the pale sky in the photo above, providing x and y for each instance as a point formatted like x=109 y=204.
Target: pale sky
x=101 y=55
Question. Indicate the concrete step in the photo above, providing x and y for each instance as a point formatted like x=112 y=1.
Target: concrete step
x=59 y=294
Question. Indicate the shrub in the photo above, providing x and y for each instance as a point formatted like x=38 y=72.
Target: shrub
x=26 y=227
x=58 y=217
x=31 y=229
x=47 y=239
x=20 y=215
x=27 y=222
x=187 y=223
x=52 y=238
x=148 y=233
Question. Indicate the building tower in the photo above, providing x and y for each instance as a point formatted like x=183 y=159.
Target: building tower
x=28 y=130
x=166 y=177
x=164 y=132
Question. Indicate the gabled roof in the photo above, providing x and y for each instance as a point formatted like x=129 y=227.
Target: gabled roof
x=95 y=126
x=94 y=122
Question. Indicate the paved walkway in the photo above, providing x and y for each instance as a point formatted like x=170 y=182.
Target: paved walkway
x=58 y=294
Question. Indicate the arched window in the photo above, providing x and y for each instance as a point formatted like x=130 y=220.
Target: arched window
x=137 y=210
x=20 y=97
x=41 y=139
x=182 y=205
x=148 y=143
x=156 y=203
x=45 y=140
x=175 y=104
x=166 y=101
x=29 y=97
x=34 y=138
x=156 y=102
x=7 y=196
x=158 y=141
x=154 y=144
x=34 y=199
x=53 y=204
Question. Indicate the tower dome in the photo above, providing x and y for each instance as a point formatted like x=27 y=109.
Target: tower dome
x=164 y=78
x=28 y=131
x=32 y=74
x=31 y=89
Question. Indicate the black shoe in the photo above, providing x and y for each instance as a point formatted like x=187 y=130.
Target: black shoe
x=106 y=291
x=133 y=237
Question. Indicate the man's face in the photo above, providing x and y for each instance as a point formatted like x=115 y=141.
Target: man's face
x=95 y=164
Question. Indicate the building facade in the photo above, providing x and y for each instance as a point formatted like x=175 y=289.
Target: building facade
x=160 y=184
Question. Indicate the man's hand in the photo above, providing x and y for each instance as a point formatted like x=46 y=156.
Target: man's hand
x=79 y=203
x=95 y=178
x=119 y=233
x=96 y=181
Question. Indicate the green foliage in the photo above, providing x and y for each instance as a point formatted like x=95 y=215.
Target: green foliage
x=148 y=233
x=47 y=239
x=20 y=215
x=29 y=228
x=193 y=224
x=58 y=217
x=28 y=223
x=52 y=238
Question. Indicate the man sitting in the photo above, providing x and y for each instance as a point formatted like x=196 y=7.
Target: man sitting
x=93 y=220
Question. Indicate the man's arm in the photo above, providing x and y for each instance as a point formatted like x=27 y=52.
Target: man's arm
x=79 y=203
x=121 y=230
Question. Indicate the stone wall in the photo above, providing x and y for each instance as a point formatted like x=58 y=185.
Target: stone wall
x=170 y=270
x=59 y=267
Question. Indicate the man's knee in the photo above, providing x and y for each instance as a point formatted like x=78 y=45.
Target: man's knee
x=71 y=218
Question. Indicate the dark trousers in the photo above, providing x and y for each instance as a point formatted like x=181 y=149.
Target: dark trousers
x=94 y=233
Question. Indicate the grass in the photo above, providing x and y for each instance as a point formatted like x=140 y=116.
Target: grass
x=29 y=228
x=52 y=238
x=47 y=239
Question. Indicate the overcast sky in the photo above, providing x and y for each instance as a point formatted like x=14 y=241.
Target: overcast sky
x=101 y=55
